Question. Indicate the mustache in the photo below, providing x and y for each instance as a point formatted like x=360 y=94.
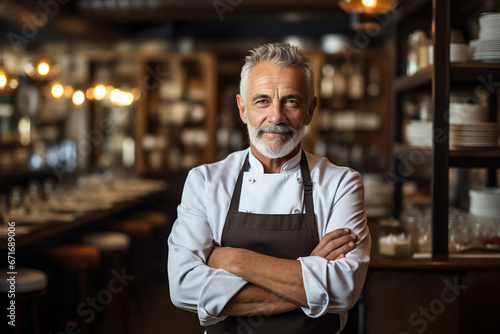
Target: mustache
x=276 y=129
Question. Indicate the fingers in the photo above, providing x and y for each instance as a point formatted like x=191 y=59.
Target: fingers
x=339 y=253
x=335 y=244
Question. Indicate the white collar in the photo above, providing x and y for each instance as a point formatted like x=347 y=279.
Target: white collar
x=290 y=165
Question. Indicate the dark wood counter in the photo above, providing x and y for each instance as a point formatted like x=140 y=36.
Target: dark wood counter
x=455 y=262
x=407 y=295
x=377 y=262
x=40 y=232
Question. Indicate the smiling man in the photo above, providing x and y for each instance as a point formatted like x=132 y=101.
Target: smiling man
x=271 y=239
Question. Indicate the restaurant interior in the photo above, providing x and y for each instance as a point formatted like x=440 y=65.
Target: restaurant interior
x=105 y=106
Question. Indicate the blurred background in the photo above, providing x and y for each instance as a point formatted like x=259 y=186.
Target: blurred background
x=105 y=105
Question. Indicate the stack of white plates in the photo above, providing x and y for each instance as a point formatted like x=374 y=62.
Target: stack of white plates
x=487 y=47
x=418 y=133
x=465 y=113
x=485 y=202
x=459 y=52
x=470 y=135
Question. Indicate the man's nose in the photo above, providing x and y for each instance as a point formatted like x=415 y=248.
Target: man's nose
x=276 y=114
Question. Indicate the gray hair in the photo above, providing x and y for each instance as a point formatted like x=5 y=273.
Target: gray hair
x=281 y=54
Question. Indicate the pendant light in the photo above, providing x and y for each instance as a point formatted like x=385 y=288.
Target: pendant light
x=368 y=6
x=362 y=11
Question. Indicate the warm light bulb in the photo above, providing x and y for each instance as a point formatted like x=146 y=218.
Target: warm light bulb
x=129 y=98
x=369 y=3
x=3 y=80
x=57 y=91
x=43 y=68
x=114 y=96
x=368 y=6
x=78 y=97
x=99 y=92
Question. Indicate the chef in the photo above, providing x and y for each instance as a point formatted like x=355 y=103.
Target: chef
x=271 y=239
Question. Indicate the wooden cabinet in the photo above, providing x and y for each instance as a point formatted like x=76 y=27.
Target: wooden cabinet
x=35 y=137
x=437 y=80
x=350 y=125
x=172 y=119
x=437 y=300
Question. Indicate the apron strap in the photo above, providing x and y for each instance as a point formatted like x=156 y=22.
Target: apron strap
x=308 y=185
x=306 y=177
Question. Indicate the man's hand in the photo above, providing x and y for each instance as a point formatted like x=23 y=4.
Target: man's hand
x=334 y=245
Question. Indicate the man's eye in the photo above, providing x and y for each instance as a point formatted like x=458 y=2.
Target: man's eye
x=291 y=102
x=261 y=101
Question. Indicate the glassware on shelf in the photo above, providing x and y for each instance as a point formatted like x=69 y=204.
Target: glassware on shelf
x=417 y=224
x=459 y=232
x=417 y=57
x=356 y=83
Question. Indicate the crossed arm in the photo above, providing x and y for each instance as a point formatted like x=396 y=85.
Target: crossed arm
x=275 y=284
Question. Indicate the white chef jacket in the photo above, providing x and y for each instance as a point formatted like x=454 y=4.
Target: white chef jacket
x=330 y=286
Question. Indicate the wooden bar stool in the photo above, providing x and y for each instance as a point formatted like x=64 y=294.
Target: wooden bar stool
x=29 y=286
x=140 y=235
x=160 y=223
x=77 y=302
x=114 y=247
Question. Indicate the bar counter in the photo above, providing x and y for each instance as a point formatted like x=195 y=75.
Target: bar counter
x=408 y=295
x=33 y=229
x=456 y=261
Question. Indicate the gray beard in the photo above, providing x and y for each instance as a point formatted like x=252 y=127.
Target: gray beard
x=280 y=151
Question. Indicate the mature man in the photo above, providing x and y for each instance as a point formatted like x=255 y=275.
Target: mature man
x=271 y=239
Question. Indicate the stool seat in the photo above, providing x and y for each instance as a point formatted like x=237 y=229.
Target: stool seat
x=132 y=227
x=75 y=255
x=107 y=241
x=27 y=280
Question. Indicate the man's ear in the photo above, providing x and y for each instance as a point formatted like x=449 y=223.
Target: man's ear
x=310 y=110
x=241 y=107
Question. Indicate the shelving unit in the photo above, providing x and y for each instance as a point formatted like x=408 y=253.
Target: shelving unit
x=438 y=79
x=346 y=118
x=34 y=154
x=171 y=85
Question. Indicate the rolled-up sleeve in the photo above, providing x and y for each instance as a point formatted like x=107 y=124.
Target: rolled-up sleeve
x=334 y=286
x=194 y=286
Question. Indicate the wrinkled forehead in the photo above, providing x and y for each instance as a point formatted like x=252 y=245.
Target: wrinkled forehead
x=269 y=76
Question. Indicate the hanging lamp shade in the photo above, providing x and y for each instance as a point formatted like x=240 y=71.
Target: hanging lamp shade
x=368 y=6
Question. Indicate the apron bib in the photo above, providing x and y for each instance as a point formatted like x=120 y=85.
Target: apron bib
x=286 y=236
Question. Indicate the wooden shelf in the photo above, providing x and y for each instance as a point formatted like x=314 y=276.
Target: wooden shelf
x=174 y=67
x=405 y=151
x=478 y=158
x=474 y=72
x=420 y=79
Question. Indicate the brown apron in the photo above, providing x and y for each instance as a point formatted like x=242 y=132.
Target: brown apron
x=286 y=236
